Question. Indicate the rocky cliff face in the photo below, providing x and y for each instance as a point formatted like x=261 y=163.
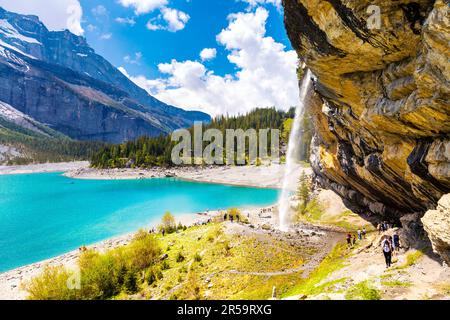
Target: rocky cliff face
x=56 y=78
x=381 y=103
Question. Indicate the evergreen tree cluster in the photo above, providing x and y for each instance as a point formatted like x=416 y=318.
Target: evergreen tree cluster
x=148 y=152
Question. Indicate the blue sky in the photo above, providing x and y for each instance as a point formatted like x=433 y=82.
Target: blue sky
x=207 y=19
x=218 y=56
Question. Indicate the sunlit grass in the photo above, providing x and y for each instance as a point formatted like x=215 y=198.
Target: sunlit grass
x=363 y=291
x=312 y=284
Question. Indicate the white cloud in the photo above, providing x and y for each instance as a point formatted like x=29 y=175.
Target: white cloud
x=55 y=14
x=136 y=60
x=91 y=27
x=106 y=36
x=174 y=20
x=143 y=6
x=153 y=26
x=266 y=75
x=208 y=54
x=255 y=3
x=99 y=10
x=129 y=21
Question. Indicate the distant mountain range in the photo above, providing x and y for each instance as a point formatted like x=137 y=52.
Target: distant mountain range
x=53 y=83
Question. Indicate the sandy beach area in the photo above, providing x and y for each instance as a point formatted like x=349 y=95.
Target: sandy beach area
x=44 y=167
x=264 y=176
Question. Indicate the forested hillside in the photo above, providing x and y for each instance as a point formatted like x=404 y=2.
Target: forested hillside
x=151 y=151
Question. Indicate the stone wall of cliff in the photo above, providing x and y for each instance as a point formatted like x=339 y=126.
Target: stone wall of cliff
x=381 y=103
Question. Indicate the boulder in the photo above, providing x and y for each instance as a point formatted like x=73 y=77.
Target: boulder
x=437 y=224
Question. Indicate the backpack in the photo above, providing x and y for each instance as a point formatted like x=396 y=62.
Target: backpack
x=386 y=246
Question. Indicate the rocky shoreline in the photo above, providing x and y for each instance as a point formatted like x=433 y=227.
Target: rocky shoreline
x=264 y=176
x=44 y=167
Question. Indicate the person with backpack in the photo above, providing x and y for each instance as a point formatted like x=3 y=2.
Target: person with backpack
x=387 y=251
x=359 y=234
x=349 y=240
x=364 y=232
x=396 y=239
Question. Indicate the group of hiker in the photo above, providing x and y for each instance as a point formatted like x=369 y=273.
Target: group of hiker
x=384 y=226
x=389 y=244
x=351 y=238
x=231 y=217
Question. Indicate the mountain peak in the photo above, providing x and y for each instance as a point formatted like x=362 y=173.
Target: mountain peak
x=82 y=83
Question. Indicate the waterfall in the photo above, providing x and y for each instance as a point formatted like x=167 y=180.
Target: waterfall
x=291 y=172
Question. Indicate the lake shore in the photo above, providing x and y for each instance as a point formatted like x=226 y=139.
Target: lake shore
x=264 y=176
x=11 y=282
x=44 y=167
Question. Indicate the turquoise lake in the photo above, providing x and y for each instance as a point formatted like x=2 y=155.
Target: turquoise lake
x=45 y=215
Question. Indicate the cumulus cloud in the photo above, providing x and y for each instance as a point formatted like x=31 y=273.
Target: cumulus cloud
x=175 y=19
x=129 y=21
x=254 y=3
x=143 y=6
x=55 y=14
x=133 y=60
x=266 y=73
x=99 y=10
x=168 y=19
x=171 y=20
x=106 y=36
x=208 y=54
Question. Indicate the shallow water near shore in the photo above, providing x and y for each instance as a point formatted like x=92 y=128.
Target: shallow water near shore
x=43 y=215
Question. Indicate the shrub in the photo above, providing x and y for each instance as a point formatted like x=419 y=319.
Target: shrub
x=180 y=257
x=168 y=224
x=51 y=285
x=130 y=282
x=234 y=213
x=102 y=276
x=165 y=265
x=197 y=257
x=143 y=251
x=153 y=274
x=363 y=291
x=304 y=192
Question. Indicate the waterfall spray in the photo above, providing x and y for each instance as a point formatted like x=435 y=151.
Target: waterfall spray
x=291 y=175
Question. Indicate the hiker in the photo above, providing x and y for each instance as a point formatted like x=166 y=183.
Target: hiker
x=387 y=251
x=225 y=217
x=238 y=218
x=349 y=240
x=391 y=240
x=364 y=232
x=354 y=240
x=231 y=218
x=379 y=228
x=359 y=234
x=396 y=239
x=163 y=231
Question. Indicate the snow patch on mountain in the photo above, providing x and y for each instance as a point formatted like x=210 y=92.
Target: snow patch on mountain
x=10 y=32
x=7 y=45
x=13 y=115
